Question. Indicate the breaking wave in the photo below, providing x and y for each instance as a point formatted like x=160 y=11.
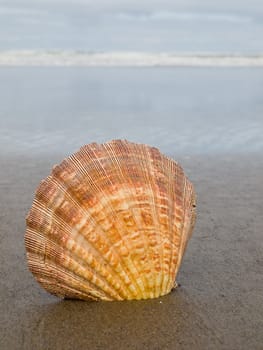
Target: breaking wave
x=126 y=59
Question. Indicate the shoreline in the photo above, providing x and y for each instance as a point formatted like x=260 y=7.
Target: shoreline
x=140 y=59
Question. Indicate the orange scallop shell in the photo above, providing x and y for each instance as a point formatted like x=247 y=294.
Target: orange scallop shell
x=111 y=222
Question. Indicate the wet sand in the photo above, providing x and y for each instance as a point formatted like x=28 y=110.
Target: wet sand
x=218 y=306
x=188 y=111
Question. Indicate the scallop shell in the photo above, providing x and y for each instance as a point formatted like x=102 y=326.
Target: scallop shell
x=111 y=222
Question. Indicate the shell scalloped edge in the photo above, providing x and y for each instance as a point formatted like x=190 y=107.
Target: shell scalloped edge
x=111 y=222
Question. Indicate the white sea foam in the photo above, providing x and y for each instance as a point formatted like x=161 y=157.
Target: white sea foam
x=184 y=16
x=126 y=59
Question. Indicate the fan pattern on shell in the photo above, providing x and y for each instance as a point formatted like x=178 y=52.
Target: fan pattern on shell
x=111 y=222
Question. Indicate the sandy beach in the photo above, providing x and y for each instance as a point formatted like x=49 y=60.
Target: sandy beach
x=219 y=303
x=47 y=114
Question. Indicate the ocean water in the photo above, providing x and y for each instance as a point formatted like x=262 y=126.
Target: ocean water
x=182 y=111
x=185 y=76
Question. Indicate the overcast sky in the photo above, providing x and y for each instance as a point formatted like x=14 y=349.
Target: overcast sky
x=142 y=4
x=132 y=25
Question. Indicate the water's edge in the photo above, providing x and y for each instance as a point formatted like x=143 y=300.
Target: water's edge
x=126 y=59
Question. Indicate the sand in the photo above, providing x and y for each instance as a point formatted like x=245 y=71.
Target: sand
x=218 y=306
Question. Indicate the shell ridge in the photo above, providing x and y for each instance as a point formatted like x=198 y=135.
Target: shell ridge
x=172 y=178
x=100 y=168
x=48 y=256
x=183 y=231
x=155 y=153
x=68 y=278
x=130 y=274
x=130 y=188
x=144 y=160
x=82 y=233
x=174 y=228
x=190 y=213
x=59 y=221
x=51 y=270
x=56 y=287
x=104 y=235
x=50 y=240
x=175 y=231
x=147 y=161
x=59 y=289
x=173 y=272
